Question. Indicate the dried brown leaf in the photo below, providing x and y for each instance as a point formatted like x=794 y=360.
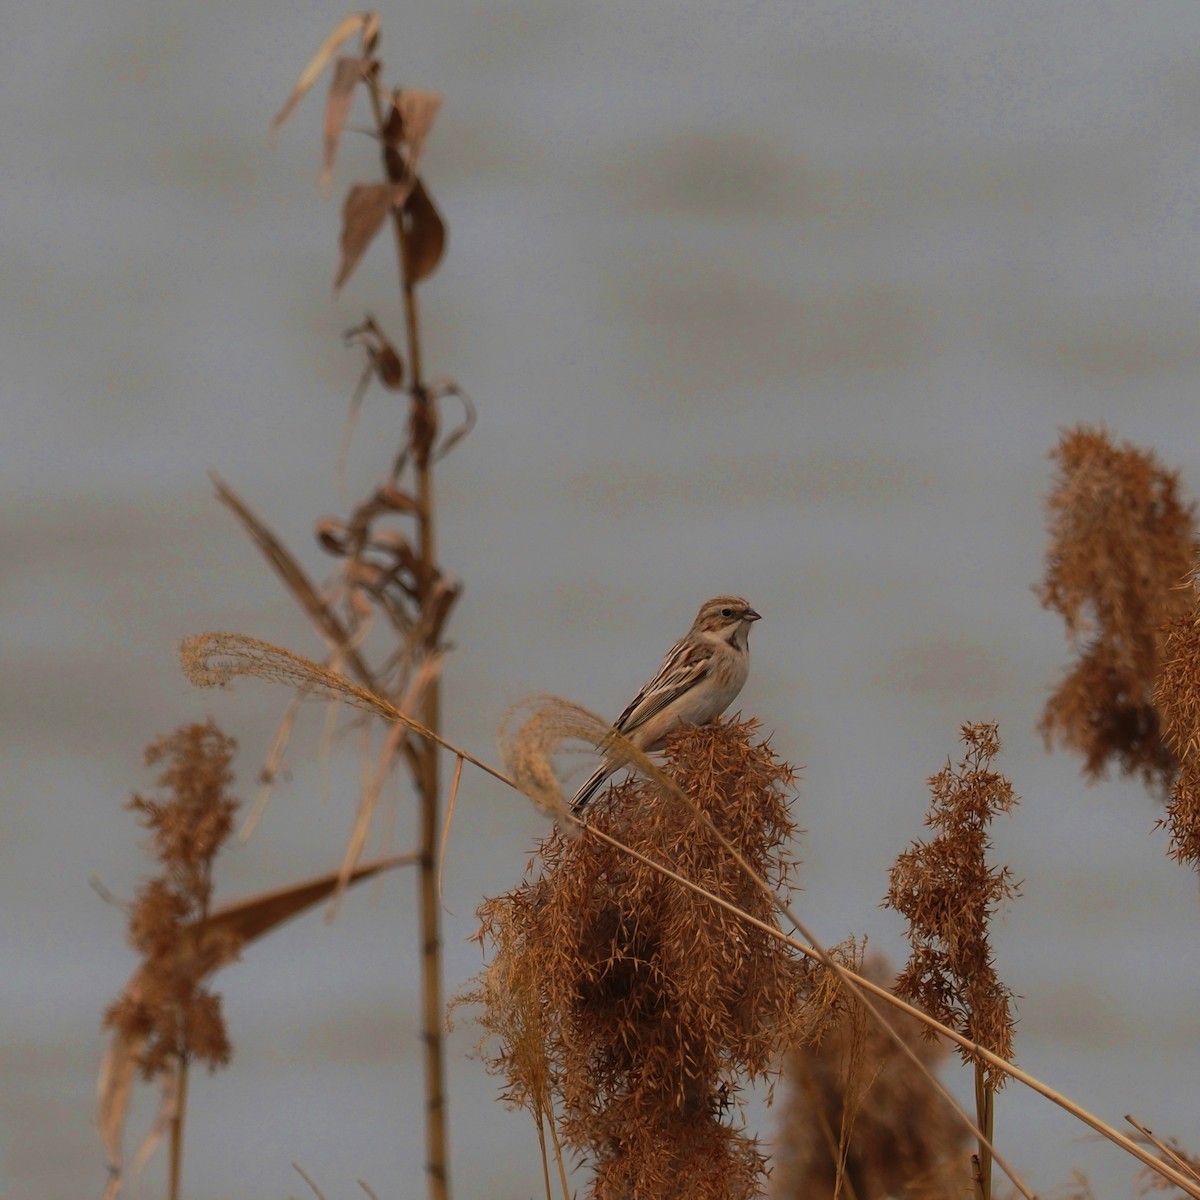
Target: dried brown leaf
x=295 y=579
x=410 y=120
x=426 y=234
x=364 y=23
x=346 y=76
x=364 y=211
x=256 y=915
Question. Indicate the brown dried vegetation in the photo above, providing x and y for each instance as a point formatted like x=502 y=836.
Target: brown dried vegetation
x=625 y=1011
x=1178 y=699
x=1121 y=543
x=175 y=1016
x=947 y=892
x=861 y=1121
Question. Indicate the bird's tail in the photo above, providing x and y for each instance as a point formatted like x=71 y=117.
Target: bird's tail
x=590 y=788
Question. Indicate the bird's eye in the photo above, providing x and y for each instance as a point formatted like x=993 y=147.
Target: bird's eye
x=727 y=612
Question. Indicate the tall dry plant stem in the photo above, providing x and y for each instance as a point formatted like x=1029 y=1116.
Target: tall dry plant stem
x=177 y=1125
x=387 y=573
x=428 y=766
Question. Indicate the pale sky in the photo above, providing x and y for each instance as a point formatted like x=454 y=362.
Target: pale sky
x=783 y=299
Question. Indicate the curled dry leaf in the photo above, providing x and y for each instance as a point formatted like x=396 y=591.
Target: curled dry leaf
x=365 y=23
x=384 y=363
x=442 y=388
x=332 y=536
x=365 y=208
x=393 y=499
x=383 y=359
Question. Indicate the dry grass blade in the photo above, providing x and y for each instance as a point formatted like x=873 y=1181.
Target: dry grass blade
x=363 y=213
x=450 y=802
x=270 y=768
x=168 y=1102
x=308 y=1179
x=384 y=364
x=297 y=582
x=364 y=23
x=367 y=803
x=441 y=388
x=395 y=743
x=114 y=1089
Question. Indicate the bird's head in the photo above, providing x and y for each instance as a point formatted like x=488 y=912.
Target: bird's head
x=725 y=618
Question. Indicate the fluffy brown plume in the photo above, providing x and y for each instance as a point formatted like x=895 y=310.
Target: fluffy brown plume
x=1121 y=542
x=624 y=1010
x=176 y=1015
x=1178 y=699
x=861 y=1121
x=947 y=892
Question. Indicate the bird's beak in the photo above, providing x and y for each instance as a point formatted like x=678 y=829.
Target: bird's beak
x=751 y=615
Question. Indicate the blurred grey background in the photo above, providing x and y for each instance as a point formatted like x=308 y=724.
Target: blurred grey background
x=787 y=299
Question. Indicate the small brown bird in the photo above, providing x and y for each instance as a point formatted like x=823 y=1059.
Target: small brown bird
x=698 y=680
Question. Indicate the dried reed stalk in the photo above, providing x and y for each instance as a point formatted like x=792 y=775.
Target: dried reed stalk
x=385 y=574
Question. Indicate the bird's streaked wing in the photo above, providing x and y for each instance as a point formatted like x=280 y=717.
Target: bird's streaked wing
x=683 y=668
